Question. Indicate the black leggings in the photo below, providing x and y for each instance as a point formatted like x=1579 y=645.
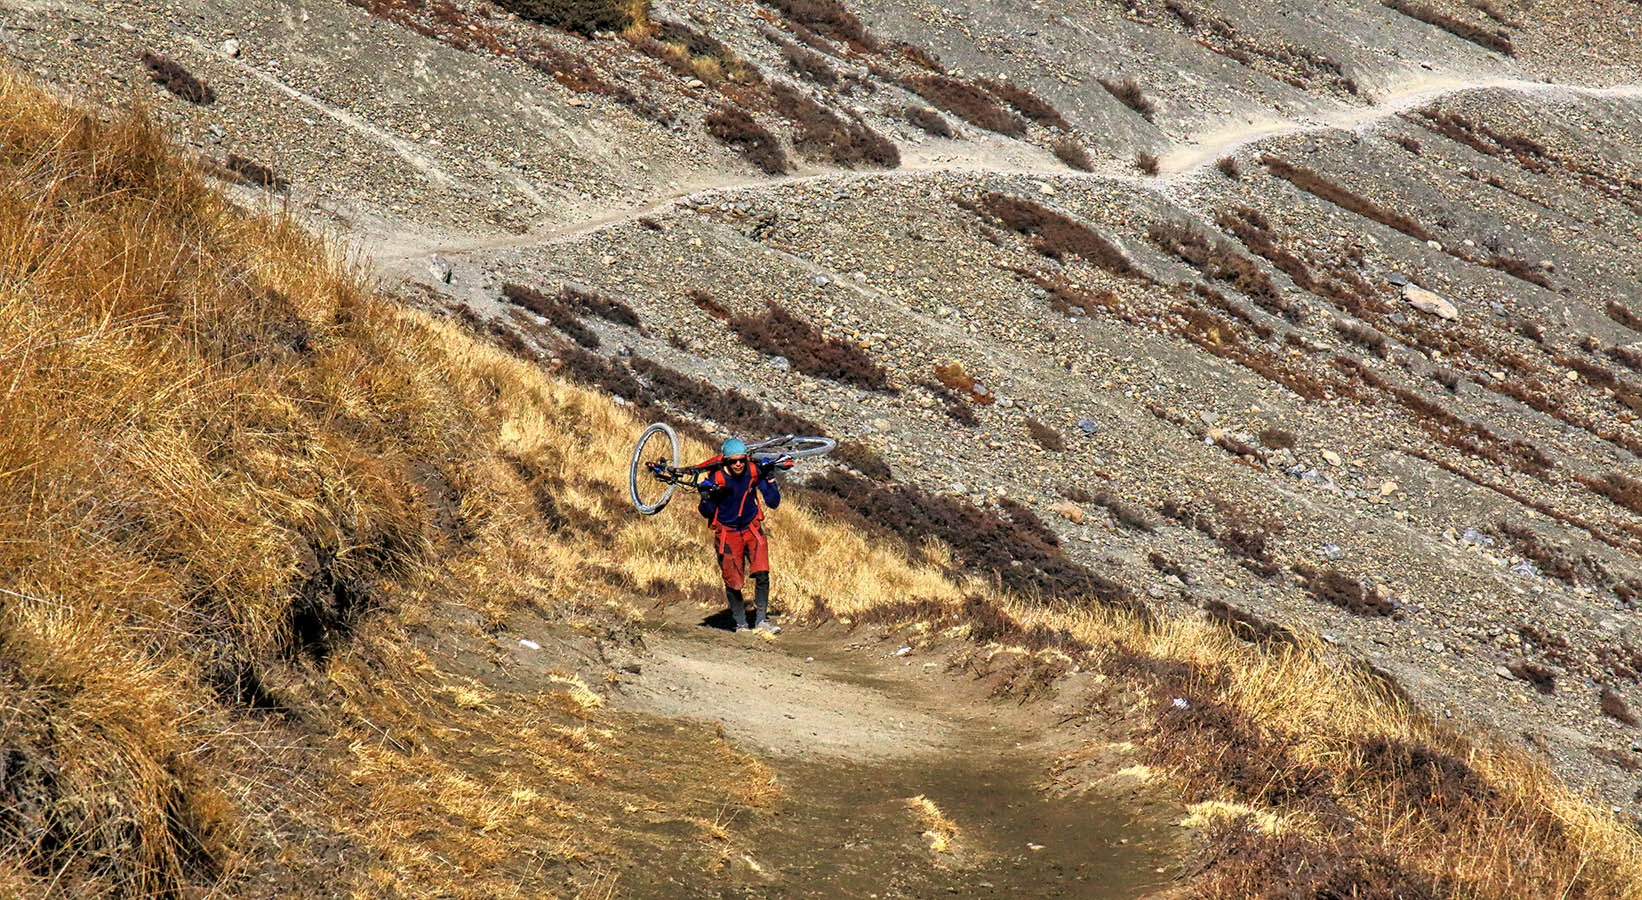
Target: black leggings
x=761 y=599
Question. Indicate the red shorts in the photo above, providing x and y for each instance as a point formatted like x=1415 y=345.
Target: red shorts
x=742 y=553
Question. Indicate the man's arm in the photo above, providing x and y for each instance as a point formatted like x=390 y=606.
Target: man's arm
x=770 y=490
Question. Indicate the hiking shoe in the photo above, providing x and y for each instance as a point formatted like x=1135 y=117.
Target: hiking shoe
x=740 y=627
x=768 y=626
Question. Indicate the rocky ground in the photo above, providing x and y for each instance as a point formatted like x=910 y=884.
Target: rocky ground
x=1521 y=212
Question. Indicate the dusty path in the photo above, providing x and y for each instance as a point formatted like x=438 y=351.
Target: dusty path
x=1190 y=158
x=852 y=730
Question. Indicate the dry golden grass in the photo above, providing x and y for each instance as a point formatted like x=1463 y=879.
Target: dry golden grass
x=937 y=829
x=221 y=476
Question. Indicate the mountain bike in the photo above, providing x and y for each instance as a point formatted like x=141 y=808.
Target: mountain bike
x=657 y=468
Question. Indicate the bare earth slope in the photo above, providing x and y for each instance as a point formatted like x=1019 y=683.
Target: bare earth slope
x=1343 y=334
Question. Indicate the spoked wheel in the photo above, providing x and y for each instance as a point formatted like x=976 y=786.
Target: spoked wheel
x=793 y=446
x=650 y=494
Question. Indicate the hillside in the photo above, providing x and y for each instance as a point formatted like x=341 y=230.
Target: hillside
x=1250 y=442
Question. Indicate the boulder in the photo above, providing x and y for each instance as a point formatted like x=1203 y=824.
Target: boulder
x=1427 y=302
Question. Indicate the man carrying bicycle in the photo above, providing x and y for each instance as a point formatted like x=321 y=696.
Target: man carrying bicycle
x=729 y=501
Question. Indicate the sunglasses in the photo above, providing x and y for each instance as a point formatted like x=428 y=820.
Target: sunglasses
x=735 y=460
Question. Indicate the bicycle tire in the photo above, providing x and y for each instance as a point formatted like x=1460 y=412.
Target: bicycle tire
x=636 y=470
x=800 y=447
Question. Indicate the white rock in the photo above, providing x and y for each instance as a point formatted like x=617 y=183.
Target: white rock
x=231 y=48
x=1428 y=302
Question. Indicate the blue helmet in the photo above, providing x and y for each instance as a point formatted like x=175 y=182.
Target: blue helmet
x=732 y=449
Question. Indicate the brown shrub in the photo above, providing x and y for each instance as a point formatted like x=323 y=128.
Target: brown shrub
x=829 y=17
x=755 y=142
x=1411 y=144
x=1047 y=438
x=1166 y=565
x=1614 y=707
x=920 y=56
x=1277 y=438
x=1130 y=94
x=554 y=310
x=1622 y=314
x=1056 y=235
x=1012 y=545
x=808 y=63
x=1318 y=186
x=709 y=304
x=583 y=17
x=780 y=333
x=1518 y=269
x=1618 y=487
x=1364 y=336
x=1345 y=592
x=819 y=131
x=953 y=377
x=1495 y=40
x=967 y=102
x=1026 y=103
x=1228 y=167
x=613 y=311
x=255 y=174
x=1219 y=261
x=1125 y=514
x=1541 y=676
x=1146 y=162
x=1248 y=626
x=170 y=74
x=1071 y=151
x=930 y=121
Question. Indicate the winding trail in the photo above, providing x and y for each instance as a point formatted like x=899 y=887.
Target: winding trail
x=1189 y=159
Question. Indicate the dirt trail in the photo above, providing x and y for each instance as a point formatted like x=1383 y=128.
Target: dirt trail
x=1189 y=158
x=853 y=730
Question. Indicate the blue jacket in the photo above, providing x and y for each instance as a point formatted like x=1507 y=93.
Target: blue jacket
x=732 y=502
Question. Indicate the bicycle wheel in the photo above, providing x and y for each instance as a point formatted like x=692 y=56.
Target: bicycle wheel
x=800 y=447
x=649 y=493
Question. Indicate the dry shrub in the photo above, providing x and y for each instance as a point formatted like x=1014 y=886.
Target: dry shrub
x=1012 y=545
x=755 y=142
x=1363 y=336
x=554 y=310
x=780 y=333
x=170 y=74
x=808 y=63
x=967 y=102
x=1622 y=314
x=1622 y=489
x=582 y=17
x=1320 y=187
x=819 y=131
x=921 y=56
x=1278 y=439
x=1248 y=626
x=708 y=304
x=1346 y=592
x=1229 y=168
x=829 y=17
x=1541 y=676
x=1409 y=143
x=1055 y=234
x=1496 y=40
x=1027 y=103
x=255 y=174
x=1130 y=94
x=1046 y=437
x=1218 y=260
x=1146 y=162
x=1071 y=151
x=1614 y=707
x=593 y=303
x=1128 y=515
x=930 y=121
x=953 y=377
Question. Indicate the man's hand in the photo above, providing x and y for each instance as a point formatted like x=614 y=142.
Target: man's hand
x=709 y=490
x=774 y=467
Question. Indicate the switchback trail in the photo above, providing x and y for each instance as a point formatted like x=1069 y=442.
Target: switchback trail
x=1189 y=158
